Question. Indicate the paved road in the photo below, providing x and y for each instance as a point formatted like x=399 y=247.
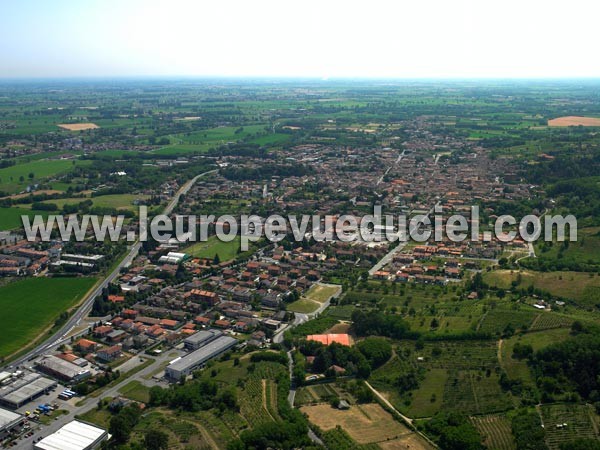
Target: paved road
x=61 y=336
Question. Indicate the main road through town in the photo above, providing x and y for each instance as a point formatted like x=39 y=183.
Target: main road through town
x=62 y=335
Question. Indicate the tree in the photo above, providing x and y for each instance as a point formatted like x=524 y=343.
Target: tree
x=156 y=440
x=31 y=175
x=119 y=428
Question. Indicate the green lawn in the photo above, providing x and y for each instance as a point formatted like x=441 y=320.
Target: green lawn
x=31 y=305
x=10 y=218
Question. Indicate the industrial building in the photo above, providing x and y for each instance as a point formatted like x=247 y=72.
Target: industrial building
x=8 y=420
x=184 y=366
x=24 y=389
x=75 y=435
x=61 y=369
x=200 y=339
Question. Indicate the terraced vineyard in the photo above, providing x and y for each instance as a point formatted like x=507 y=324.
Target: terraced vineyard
x=495 y=431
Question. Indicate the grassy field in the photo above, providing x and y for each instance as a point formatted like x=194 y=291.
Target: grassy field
x=585 y=250
x=303 y=305
x=427 y=400
x=10 y=176
x=10 y=218
x=313 y=299
x=115 y=201
x=518 y=368
x=202 y=141
x=135 y=390
x=579 y=286
x=213 y=246
x=31 y=305
x=366 y=423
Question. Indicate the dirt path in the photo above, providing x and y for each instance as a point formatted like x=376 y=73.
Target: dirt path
x=265 y=404
x=500 y=342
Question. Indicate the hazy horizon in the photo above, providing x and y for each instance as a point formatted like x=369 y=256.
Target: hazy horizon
x=268 y=39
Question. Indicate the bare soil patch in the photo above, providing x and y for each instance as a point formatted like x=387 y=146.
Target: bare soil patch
x=573 y=121
x=78 y=126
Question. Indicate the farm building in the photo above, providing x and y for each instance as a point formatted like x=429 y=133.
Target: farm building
x=75 y=435
x=182 y=367
x=200 y=339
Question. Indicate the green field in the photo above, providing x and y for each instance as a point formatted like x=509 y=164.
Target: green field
x=10 y=218
x=30 y=306
x=115 y=201
x=202 y=141
x=135 y=390
x=312 y=300
x=41 y=169
x=213 y=246
x=579 y=286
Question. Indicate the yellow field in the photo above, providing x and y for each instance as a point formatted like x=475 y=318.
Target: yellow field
x=573 y=121
x=367 y=423
x=78 y=126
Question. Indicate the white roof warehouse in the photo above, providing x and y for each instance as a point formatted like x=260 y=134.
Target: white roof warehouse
x=186 y=365
x=75 y=435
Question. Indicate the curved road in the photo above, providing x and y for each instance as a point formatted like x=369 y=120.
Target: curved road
x=61 y=336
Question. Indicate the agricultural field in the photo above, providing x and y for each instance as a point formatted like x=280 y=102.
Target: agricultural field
x=10 y=218
x=202 y=141
x=114 y=201
x=474 y=392
x=366 y=423
x=574 y=121
x=579 y=420
x=427 y=399
x=30 y=306
x=10 y=177
x=495 y=431
x=78 y=126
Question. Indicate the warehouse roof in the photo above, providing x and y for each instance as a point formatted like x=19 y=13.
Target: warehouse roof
x=203 y=354
x=75 y=435
x=203 y=336
x=8 y=419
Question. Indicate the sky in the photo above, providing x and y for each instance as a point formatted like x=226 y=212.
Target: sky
x=308 y=38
